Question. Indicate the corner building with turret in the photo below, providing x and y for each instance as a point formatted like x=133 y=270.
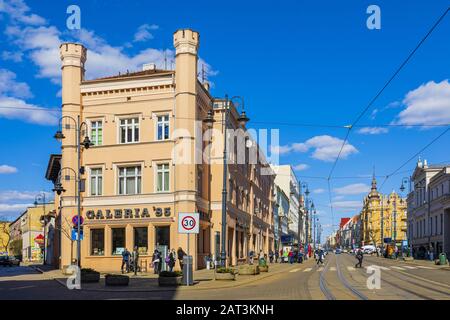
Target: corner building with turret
x=134 y=178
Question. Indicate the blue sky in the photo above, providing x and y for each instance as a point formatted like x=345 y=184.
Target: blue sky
x=295 y=62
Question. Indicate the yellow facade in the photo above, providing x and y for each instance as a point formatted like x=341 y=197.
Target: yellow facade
x=4 y=237
x=382 y=216
x=163 y=172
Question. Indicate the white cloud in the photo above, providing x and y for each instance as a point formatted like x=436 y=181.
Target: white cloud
x=12 y=56
x=325 y=148
x=347 y=205
x=356 y=188
x=373 y=130
x=13 y=108
x=143 y=33
x=13 y=208
x=301 y=167
x=18 y=11
x=9 y=85
x=318 y=191
x=428 y=104
x=18 y=196
x=5 y=169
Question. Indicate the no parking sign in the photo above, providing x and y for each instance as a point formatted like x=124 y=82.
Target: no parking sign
x=188 y=222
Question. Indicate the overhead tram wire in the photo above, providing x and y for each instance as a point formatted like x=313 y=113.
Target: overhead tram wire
x=397 y=71
x=415 y=155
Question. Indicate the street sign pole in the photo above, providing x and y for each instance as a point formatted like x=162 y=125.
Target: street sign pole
x=187 y=275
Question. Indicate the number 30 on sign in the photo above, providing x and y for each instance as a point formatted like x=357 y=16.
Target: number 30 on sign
x=188 y=222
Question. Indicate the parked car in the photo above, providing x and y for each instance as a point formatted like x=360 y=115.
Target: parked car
x=9 y=261
x=369 y=249
x=337 y=251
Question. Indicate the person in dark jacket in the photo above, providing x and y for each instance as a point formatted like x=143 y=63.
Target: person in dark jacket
x=180 y=254
x=125 y=260
x=156 y=261
x=172 y=260
x=359 y=256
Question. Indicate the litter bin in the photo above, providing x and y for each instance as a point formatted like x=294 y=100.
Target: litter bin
x=442 y=259
x=188 y=277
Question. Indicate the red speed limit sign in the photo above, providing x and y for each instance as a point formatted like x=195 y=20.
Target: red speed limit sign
x=188 y=222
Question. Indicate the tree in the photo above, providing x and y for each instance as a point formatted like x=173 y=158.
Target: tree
x=67 y=232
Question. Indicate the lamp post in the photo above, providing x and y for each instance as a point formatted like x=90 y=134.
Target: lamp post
x=41 y=197
x=305 y=186
x=402 y=189
x=86 y=143
x=209 y=121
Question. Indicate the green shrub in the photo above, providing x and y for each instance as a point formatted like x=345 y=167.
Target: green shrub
x=224 y=270
x=170 y=274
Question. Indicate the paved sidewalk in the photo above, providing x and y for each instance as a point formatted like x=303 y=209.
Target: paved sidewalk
x=418 y=262
x=203 y=280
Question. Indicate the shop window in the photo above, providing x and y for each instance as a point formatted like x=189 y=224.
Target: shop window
x=97 y=133
x=118 y=240
x=129 y=130
x=97 y=242
x=141 y=239
x=162 y=236
x=162 y=127
x=129 y=180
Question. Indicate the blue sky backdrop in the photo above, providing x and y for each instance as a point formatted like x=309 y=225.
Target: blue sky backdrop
x=295 y=62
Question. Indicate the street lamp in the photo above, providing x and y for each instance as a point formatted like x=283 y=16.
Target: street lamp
x=305 y=186
x=41 y=197
x=209 y=121
x=402 y=189
x=86 y=143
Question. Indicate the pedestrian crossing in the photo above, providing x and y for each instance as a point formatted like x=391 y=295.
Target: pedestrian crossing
x=352 y=269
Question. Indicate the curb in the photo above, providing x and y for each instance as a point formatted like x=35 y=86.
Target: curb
x=177 y=288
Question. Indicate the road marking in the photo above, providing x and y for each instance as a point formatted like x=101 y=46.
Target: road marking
x=307 y=270
x=398 y=268
x=379 y=267
x=320 y=269
x=294 y=270
x=332 y=268
x=409 y=267
x=423 y=267
x=351 y=268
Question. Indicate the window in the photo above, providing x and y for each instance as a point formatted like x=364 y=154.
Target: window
x=442 y=223
x=97 y=242
x=96 y=181
x=162 y=127
x=118 y=240
x=162 y=235
x=129 y=180
x=141 y=239
x=162 y=177
x=97 y=133
x=129 y=130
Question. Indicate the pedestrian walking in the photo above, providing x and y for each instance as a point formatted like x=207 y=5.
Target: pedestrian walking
x=135 y=257
x=180 y=255
x=359 y=256
x=156 y=261
x=170 y=260
x=251 y=255
x=291 y=256
x=125 y=260
x=320 y=256
x=300 y=257
x=271 y=256
x=277 y=254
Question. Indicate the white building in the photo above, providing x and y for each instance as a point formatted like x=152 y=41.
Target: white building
x=286 y=180
x=429 y=209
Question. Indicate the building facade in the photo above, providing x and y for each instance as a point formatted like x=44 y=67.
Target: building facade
x=429 y=209
x=150 y=160
x=286 y=180
x=281 y=219
x=383 y=217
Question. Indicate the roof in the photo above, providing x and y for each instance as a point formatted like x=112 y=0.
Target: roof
x=136 y=74
x=53 y=167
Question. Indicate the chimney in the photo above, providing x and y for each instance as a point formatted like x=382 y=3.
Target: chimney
x=149 y=66
x=425 y=163
x=206 y=85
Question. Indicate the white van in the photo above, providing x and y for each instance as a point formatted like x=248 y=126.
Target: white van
x=369 y=249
